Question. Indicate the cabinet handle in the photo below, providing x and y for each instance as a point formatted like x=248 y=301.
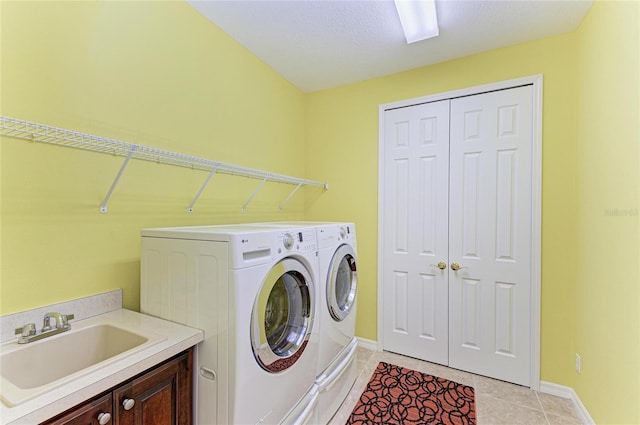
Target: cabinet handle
x=104 y=418
x=128 y=403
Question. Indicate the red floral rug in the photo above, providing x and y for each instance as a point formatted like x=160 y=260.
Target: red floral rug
x=397 y=395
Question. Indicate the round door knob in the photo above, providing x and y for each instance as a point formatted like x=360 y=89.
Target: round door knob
x=128 y=403
x=456 y=266
x=104 y=418
x=442 y=265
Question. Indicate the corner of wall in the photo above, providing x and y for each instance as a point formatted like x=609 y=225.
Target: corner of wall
x=608 y=200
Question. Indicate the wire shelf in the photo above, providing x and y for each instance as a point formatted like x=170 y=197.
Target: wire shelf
x=26 y=130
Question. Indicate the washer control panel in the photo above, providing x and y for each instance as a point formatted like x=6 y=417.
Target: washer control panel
x=288 y=240
x=300 y=240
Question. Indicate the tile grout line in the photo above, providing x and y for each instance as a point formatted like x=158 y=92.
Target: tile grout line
x=546 y=417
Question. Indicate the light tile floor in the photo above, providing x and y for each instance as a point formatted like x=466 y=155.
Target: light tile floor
x=497 y=402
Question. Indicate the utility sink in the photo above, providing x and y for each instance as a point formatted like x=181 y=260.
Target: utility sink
x=28 y=370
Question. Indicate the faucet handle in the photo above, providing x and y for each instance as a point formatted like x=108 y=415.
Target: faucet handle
x=65 y=319
x=27 y=330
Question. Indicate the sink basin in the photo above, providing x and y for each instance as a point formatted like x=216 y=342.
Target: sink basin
x=30 y=369
x=38 y=364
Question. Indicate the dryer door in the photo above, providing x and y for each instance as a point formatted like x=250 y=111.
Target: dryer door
x=342 y=282
x=282 y=316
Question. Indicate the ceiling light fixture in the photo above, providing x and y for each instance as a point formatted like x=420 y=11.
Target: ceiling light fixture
x=418 y=19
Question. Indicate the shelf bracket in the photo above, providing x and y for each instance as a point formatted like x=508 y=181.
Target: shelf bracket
x=244 y=207
x=283 y=203
x=206 y=182
x=103 y=206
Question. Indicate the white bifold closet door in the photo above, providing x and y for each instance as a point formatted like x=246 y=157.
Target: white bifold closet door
x=416 y=217
x=457 y=193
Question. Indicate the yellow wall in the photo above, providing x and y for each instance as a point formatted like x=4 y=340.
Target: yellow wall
x=590 y=260
x=343 y=123
x=153 y=73
x=607 y=293
x=159 y=74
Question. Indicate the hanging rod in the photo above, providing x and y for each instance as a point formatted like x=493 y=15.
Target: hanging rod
x=26 y=130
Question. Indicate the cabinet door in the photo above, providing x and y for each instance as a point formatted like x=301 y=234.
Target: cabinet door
x=89 y=413
x=160 y=397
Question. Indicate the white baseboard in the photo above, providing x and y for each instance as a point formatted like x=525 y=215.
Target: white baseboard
x=570 y=394
x=369 y=344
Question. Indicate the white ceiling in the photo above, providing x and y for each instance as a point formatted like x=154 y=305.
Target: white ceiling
x=319 y=44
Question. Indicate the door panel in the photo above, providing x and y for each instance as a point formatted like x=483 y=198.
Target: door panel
x=401 y=190
x=416 y=222
x=470 y=313
x=469 y=207
x=428 y=313
x=489 y=235
x=160 y=397
x=400 y=300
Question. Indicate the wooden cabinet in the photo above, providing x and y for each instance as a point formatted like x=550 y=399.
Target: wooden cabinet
x=158 y=397
x=89 y=413
x=163 y=395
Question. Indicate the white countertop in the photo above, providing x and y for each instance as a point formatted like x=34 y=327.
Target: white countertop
x=100 y=379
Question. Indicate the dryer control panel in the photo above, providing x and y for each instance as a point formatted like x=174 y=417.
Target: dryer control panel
x=331 y=235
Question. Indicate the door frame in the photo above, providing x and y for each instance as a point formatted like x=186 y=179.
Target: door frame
x=536 y=201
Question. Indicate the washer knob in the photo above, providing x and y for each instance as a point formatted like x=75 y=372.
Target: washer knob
x=343 y=232
x=288 y=240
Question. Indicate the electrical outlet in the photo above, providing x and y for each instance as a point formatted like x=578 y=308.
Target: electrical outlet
x=578 y=361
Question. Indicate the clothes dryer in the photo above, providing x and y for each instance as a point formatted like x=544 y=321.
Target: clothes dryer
x=337 y=368
x=337 y=290
x=337 y=261
x=252 y=290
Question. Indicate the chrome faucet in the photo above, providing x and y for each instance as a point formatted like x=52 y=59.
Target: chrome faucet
x=61 y=321
x=61 y=324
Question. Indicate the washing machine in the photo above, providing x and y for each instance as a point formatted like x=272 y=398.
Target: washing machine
x=252 y=290
x=337 y=290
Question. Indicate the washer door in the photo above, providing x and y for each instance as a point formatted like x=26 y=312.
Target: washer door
x=342 y=282
x=282 y=316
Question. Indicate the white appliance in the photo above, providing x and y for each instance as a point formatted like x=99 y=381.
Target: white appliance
x=337 y=260
x=252 y=290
